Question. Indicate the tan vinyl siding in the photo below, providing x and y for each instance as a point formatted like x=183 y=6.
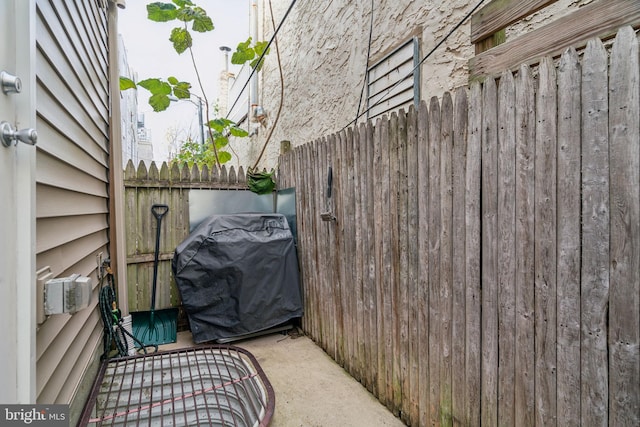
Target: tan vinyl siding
x=72 y=221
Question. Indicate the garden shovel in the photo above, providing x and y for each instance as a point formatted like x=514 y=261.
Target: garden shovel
x=155 y=327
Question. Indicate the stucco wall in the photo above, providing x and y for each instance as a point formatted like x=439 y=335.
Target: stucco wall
x=323 y=51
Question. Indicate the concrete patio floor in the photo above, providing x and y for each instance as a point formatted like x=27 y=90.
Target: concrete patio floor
x=311 y=389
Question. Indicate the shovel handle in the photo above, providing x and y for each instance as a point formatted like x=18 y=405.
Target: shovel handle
x=159 y=210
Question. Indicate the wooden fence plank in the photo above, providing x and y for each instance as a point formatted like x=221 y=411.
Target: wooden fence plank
x=371 y=264
x=423 y=262
x=498 y=14
x=545 y=245
x=524 y=205
x=353 y=244
x=328 y=255
x=473 y=300
x=402 y=311
x=319 y=202
x=394 y=386
x=598 y=19
x=304 y=231
x=489 y=250
x=312 y=277
x=380 y=199
x=506 y=225
x=412 y=377
x=624 y=300
x=385 y=265
x=434 y=260
x=343 y=297
x=362 y=221
x=458 y=330
x=353 y=288
x=446 y=255
x=292 y=168
x=356 y=173
x=595 y=236
x=568 y=264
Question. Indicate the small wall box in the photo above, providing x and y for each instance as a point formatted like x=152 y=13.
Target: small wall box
x=67 y=294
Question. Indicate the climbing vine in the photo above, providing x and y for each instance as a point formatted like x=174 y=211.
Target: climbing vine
x=192 y=19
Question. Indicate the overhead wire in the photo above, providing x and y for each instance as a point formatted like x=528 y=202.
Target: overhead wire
x=366 y=65
x=264 y=52
x=388 y=91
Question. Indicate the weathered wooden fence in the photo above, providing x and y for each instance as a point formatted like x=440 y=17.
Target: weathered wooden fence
x=484 y=263
x=145 y=187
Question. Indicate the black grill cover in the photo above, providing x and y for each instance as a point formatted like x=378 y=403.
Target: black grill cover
x=238 y=274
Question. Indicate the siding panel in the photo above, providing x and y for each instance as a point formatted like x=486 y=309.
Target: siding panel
x=72 y=180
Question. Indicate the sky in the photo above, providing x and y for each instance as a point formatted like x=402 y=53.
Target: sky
x=150 y=54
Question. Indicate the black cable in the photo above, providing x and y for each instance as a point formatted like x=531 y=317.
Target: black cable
x=264 y=52
x=366 y=65
x=417 y=65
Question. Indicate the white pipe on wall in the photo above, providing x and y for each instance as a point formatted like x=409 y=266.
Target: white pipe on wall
x=253 y=25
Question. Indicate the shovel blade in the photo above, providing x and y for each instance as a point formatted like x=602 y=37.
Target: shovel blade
x=155 y=327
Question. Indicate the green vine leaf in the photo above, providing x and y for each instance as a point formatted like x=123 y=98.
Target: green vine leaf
x=224 y=156
x=161 y=12
x=185 y=14
x=159 y=102
x=244 y=52
x=236 y=131
x=182 y=90
x=259 y=48
x=220 y=124
x=181 y=39
x=172 y=80
x=156 y=86
x=201 y=22
x=126 y=83
x=221 y=141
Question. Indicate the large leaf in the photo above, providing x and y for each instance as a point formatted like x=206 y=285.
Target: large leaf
x=186 y=14
x=156 y=86
x=244 y=52
x=236 y=131
x=201 y=22
x=161 y=12
x=159 y=102
x=224 y=156
x=219 y=124
x=126 y=83
x=221 y=141
x=260 y=47
x=181 y=39
x=181 y=90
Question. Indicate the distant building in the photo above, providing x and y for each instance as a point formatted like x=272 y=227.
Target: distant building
x=145 y=146
x=128 y=109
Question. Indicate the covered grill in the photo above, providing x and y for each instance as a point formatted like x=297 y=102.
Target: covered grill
x=237 y=275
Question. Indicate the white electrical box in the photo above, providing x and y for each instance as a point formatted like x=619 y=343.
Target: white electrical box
x=67 y=294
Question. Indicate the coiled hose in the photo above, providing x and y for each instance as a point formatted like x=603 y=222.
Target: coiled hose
x=113 y=329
